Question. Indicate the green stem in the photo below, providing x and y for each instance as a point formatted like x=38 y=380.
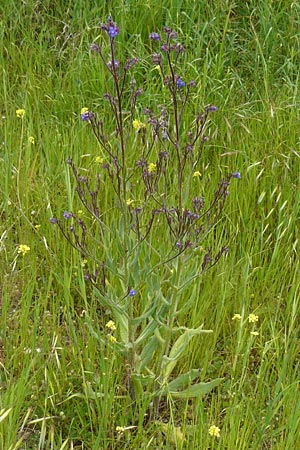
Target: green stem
x=124 y=210
x=170 y=323
x=173 y=308
x=19 y=164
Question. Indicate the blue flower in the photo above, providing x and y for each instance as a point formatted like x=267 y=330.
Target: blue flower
x=53 y=220
x=113 y=31
x=212 y=108
x=236 y=175
x=154 y=36
x=132 y=293
x=67 y=215
x=180 y=84
x=85 y=116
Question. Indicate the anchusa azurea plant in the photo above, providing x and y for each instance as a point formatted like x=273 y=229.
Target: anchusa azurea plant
x=147 y=223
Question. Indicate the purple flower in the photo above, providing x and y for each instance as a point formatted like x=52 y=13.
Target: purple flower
x=154 y=36
x=95 y=48
x=180 y=84
x=110 y=64
x=110 y=27
x=211 y=108
x=156 y=58
x=113 y=31
x=236 y=175
x=192 y=83
x=85 y=116
x=53 y=220
x=132 y=293
x=67 y=215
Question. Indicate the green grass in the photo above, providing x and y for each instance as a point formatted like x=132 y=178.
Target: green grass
x=60 y=386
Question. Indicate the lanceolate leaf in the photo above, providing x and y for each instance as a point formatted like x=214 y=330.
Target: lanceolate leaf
x=196 y=390
x=182 y=380
x=148 y=351
x=179 y=347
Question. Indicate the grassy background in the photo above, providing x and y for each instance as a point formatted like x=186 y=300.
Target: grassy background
x=59 y=387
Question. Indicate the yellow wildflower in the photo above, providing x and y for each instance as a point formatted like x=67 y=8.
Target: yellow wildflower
x=236 y=317
x=214 y=431
x=254 y=333
x=99 y=160
x=112 y=339
x=37 y=227
x=120 y=429
x=137 y=125
x=129 y=201
x=23 y=249
x=31 y=140
x=252 y=318
x=151 y=167
x=111 y=325
x=197 y=174
x=20 y=113
x=84 y=110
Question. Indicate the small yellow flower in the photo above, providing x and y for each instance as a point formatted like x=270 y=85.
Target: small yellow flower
x=37 y=227
x=120 y=430
x=84 y=262
x=84 y=110
x=129 y=201
x=197 y=174
x=254 y=333
x=99 y=159
x=252 y=318
x=236 y=317
x=111 y=325
x=158 y=68
x=20 y=113
x=80 y=213
x=151 y=167
x=214 y=431
x=31 y=140
x=137 y=125
x=23 y=249
x=112 y=339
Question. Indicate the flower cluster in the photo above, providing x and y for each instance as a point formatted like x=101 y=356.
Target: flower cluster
x=214 y=431
x=111 y=28
x=137 y=125
x=252 y=318
x=23 y=249
x=111 y=326
x=20 y=113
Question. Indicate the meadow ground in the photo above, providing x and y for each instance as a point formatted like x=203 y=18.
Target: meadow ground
x=65 y=375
